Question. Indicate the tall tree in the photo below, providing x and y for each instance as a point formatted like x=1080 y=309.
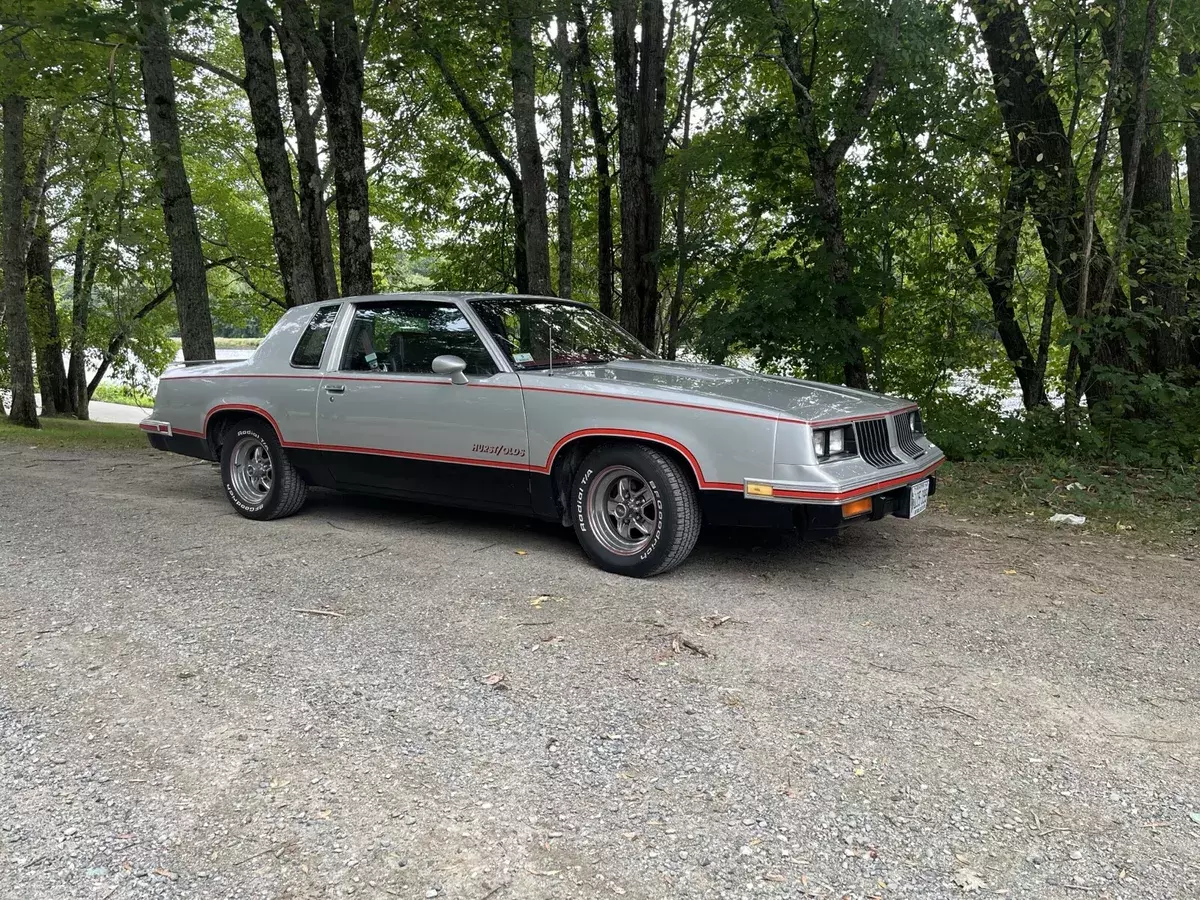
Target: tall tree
x=16 y=318
x=529 y=152
x=639 y=65
x=599 y=132
x=490 y=142
x=43 y=318
x=825 y=158
x=183 y=233
x=1038 y=142
x=313 y=213
x=292 y=244
x=86 y=261
x=332 y=45
x=1156 y=267
x=1189 y=63
x=566 y=145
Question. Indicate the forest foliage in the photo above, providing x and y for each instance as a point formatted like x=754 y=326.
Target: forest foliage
x=960 y=203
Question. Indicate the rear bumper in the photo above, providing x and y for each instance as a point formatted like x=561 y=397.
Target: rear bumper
x=184 y=444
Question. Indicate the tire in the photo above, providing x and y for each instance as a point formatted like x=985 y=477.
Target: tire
x=255 y=490
x=650 y=534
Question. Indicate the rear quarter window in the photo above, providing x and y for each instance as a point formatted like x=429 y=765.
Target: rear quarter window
x=312 y=343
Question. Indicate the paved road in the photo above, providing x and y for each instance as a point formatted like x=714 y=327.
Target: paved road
x=920 y=709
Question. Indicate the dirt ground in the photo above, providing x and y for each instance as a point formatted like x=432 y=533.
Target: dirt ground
x=936 y=708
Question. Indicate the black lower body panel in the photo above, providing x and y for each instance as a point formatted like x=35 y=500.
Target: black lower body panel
x=183 y=444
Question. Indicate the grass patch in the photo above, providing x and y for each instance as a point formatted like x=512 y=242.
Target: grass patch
x=1157 y=504
x=72 y=434
x=123 y=394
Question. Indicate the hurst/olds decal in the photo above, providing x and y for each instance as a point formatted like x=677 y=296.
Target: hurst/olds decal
x=499 y=450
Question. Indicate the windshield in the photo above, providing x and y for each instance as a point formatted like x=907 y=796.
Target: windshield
x=527 y=330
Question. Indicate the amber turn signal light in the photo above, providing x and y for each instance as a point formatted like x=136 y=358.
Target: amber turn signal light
x=856 y=508
x=760 y=490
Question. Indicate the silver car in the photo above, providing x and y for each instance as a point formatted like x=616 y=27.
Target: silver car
x=543 y=407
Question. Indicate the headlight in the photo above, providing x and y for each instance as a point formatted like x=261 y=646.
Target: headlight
x=833 y=442
x=837 y=441
x=915 y=422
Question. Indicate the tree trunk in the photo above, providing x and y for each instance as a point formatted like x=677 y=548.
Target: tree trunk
x=529 y=153
x=824 y=160
x=20 y=350
x=1043 y=156
x=332 y=46
x=566 y=148
x=1189 y=63
x=999 y=283
x=1156 y=268
x=492 y=148
x=183 y=234
x=308 y=164
x=674 y=314
x=43 y=322
x=262 y=90
x=82 y=282
x=604 y=228
x=640 y=70
x=845 y=303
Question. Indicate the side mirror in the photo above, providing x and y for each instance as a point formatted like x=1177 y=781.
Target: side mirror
x=454 y=366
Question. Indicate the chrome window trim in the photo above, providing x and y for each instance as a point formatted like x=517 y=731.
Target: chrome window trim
x=334 y=366
x=333 y=328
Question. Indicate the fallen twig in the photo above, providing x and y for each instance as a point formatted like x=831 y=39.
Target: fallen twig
x=273 y=848
x=494 y=891
x=320 y=612
x=678 y=640
x=372 y=553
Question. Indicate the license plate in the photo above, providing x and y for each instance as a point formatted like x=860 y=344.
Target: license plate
x=918 y=498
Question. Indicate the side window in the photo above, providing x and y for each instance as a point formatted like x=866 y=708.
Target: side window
x=312 y=343
x=406 y=336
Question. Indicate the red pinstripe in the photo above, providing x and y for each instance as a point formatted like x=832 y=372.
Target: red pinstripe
x=770 y=417
x=545 y=469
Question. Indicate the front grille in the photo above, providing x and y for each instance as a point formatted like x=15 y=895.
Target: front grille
x=906 y=437
x=873 y=443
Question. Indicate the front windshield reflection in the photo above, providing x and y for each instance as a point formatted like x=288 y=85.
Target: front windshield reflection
x=539 y=333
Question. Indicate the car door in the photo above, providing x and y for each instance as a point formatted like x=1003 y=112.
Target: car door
x=387 y=423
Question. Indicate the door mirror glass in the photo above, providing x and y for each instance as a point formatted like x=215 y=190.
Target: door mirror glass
x=454 y=366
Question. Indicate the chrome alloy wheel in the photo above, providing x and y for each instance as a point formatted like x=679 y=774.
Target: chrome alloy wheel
x=622 y=510
x=251 y=472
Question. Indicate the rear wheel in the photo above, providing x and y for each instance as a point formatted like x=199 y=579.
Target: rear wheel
x=635 y=510
x=259 y=480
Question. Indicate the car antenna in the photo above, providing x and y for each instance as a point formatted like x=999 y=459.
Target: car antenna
x=550 y=343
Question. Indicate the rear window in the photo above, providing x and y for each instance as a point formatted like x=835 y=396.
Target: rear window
x=312 y=342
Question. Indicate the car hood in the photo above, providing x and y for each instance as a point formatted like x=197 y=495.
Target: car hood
x=794 y=397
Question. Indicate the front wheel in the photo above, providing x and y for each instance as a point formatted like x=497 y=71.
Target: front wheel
x=635 y=510
x=259 y=480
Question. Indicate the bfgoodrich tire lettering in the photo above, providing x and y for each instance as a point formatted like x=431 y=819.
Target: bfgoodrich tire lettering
x=634 y=510
x=280 y=492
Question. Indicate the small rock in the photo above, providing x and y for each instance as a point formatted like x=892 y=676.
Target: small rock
x=431 y=893
x=1076 y=854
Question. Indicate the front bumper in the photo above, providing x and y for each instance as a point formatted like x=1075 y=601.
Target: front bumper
x=814 y=521
x=835 y=495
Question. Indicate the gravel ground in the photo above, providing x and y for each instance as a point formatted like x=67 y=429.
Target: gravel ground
x=926 y=709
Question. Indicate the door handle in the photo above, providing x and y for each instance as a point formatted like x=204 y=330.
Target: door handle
x=335 y=388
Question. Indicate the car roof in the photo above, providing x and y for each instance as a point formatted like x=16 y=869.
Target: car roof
x=452 y=296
